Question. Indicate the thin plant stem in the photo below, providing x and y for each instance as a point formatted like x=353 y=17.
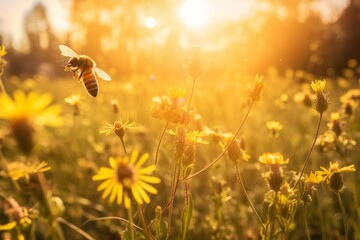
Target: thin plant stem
x=159 y=143
x=123 y=144
x=131 y=223
x=47 y=194
x=306 y=223
x=75 y=228
x=147 y=232
x=272 y=226
x=310 y=151
x=247 y=195
x=175 y=183
x=191 y=96
x=227 y=147
x=111 y=218
x=343 y=213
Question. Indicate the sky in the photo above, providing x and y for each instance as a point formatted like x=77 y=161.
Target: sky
x=13 y=11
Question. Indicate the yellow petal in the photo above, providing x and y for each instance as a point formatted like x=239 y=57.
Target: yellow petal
x=108 y=190
x=147 y=187
x=113 y=162
x=114 y=193
x=103 y=173
x=104 y=185
x=142 y=193
x=142 y=160
x=136 y=195
x=147 y=170
x=134 y=156
x=120 y=193
x=149 y=179
x=7 y=226
x=127 y=201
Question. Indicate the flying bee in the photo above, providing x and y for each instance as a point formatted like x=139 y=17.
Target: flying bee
x=84 y=69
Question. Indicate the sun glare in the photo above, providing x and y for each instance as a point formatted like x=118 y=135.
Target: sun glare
x=150 y=22
x=195 y=13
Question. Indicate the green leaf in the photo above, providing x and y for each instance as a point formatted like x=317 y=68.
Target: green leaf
x=161 y=229
x=185 y=171
x=187 y=215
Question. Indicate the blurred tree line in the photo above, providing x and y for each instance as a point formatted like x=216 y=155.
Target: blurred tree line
x=114 y=33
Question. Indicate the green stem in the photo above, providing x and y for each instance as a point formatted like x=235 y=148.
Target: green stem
x=272 y=227
x=224 y=151
x=142 y=217
x=310 y=151
x=131 y=226
x=123 y=144
x=159 y=143
x=246 y=195
x=343 y=213
x=175 y=183
x=2 y=88
x=306 y=223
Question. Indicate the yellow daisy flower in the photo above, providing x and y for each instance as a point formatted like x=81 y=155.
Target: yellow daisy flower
x=25 y=111
x=33 y=107
x=127 y=179
x=332 y=178
x=171 y=107
x=119 y=129
x=17 y=170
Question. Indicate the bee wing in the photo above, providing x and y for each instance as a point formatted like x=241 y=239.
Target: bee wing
x=101 y=74
x=67 y=52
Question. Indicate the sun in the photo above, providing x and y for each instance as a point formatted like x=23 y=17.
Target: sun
x=195 y=13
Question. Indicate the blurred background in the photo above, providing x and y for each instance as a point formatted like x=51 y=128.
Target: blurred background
x=142 y=36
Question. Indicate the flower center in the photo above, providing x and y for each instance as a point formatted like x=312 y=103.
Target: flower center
x=125 y=175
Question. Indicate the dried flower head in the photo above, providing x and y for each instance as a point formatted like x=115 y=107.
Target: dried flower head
x=195 y=66
x=127 y=179
x=234 y=149
x=256 y=92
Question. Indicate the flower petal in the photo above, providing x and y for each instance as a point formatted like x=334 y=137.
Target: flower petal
x=142 y=159
x=147 y=170
x=147 y=187
x=149 y=179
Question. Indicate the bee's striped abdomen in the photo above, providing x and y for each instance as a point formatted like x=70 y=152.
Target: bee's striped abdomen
x=90 y=82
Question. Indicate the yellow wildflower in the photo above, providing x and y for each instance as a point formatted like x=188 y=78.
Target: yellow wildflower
x=127 y=179
x=74 y=101
x=332 y=178
x=318 y=85
x=274 y=127
x=321 y=103
x=17 y=170
x=171 y=107
x=273 y=159
x=25 y=111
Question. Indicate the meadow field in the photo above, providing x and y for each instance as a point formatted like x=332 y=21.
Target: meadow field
x=183 y=156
